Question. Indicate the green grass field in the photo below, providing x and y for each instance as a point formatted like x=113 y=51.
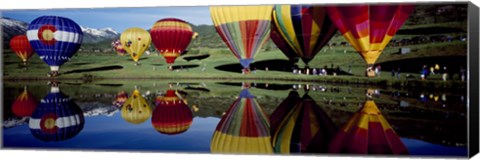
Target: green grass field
x=93 y=66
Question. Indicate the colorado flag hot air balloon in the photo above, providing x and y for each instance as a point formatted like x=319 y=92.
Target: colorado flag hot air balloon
x=369 y=28
x=367 y=132
x=171 y=36
x=136 y=110
x=20 y=45
x=56 y=118
x=55 y=39
x=243 y=28
x=301 y=30
x=25 y=104
x=243 y=129
x=135 y=41
x=299 y=125
x=172 y=115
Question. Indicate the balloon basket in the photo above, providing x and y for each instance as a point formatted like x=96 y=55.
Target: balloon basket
x=369 y=72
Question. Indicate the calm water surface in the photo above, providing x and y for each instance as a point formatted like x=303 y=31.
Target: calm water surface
x=234 y=117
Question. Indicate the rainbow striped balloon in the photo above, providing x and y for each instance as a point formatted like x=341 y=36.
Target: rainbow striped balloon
x=243 y=129
x=243 y=28
x=304 y=29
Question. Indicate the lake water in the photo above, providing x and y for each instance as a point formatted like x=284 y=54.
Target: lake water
x=234 y=117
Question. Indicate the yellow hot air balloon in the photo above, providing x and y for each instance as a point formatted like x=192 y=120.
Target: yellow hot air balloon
x=243 y=129
x=243 y=28
x=136 y=109
x=135 y=41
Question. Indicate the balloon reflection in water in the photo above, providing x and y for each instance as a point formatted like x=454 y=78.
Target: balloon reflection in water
x=243 y=129
x=25 y=104
x=172 y=115
x=367 y=132
x=120 y=99
x=136 y=109
x=56 y=118
x=300 y=125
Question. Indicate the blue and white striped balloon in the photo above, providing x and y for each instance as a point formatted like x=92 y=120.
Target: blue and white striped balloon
x=55 y=39
x=56 y=118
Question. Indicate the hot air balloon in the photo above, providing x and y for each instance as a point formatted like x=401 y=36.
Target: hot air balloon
x=367 y=132
x=56 y=118
x=171 y=37
x=135 y=41
x=172 y=115
x=120 y=99
x=25 y=104
x=117 y=47
x=243 y=129
x=301 y=30
x=243 y=28
x=136 y=109
x=55 y=39
x=301 y=126
x=369 y=28
x=20 y=45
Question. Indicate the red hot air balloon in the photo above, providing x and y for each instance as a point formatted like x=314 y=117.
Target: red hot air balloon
x=369 y=28
x=20 y=45
x=171 y=37
x=367 y=132
x=172 y=115
x=25 y=104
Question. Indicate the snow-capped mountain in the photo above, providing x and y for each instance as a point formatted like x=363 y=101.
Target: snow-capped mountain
x=97 y=109
x=12 y=27
x=92 y=35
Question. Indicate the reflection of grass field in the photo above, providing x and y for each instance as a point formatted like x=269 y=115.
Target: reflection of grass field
x=153 y=66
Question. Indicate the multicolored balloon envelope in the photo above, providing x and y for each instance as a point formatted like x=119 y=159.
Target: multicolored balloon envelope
x=136 y=110
x=369 y=28
x=135 y=41
x=367 y=132
x=120 y=99
x=117 y=47
x=304 y=127
x=25 y=104
x=301 y=30
x=171 y=37
x=243 y=28
x=56 y=118
x=172 y=115
x=20 y=45
x=243 y=129
x=55 y=39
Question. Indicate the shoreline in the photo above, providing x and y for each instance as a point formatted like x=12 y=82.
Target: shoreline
x=425 y=84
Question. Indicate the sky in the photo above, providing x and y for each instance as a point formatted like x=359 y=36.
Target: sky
x=118 y=18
